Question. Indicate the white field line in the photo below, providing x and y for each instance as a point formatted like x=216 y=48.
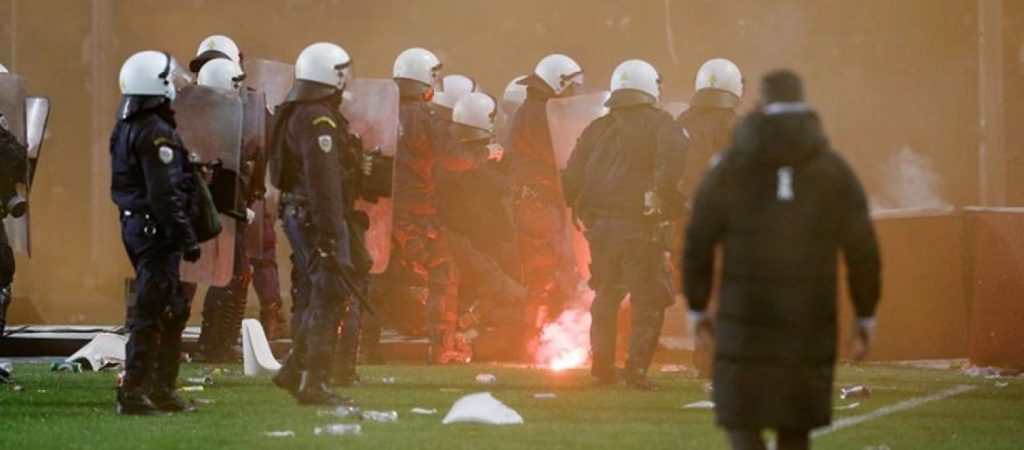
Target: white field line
x=847 y=422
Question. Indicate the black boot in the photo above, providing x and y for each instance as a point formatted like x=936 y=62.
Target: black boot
x=314 y=390
x=289 y=377
x=132 y=401
x=169 y=401
x=637 y=379
x=5 y=300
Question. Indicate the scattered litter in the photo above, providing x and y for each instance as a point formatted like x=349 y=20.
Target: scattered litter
x=18 y=388
x=1002 y=384
x=673 y=368
x=41 y=391
x=850 y=406
x=66 y=367
x=6 y=373
x=339 y=429
x=703 y=404
x=342 y=412
x=381 y=416
x=191 y=389
x=986 y=372
x=285 y=433
x=423 y=411
x=203 y=401
x=119 y=378
x=545 y=396
x=388 y=380
x=200 y=381
x=855 y=392
x=7 y=366
x=486 y=378
x=483 y=408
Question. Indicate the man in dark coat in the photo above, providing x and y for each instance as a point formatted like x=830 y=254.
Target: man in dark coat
x=622 y=162
x=12 y=168
x=782 y=204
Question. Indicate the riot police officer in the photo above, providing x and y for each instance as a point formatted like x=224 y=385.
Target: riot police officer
x=620 y=181
x=12 y=169
x=313 y=164
x=153 y=186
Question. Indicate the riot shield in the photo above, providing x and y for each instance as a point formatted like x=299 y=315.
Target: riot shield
x=254 y=168
x=372 y=112
x=674 y=108
x=210 y=124
x=567 y=118
x=273 y=78
x=12 y=107
x=37 y=114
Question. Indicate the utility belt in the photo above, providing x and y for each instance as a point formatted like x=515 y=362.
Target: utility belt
x=150 y=228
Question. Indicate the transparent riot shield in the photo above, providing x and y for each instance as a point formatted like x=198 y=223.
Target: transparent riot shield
x=273 y=78
x=37 y=114
x=371 y=107
x=210 y=124
x=254 y=168
x=567 y=118
x=12 y=107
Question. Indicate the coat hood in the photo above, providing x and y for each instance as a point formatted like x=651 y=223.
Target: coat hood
x=781 y=134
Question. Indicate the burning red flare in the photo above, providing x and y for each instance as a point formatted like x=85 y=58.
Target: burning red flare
x=565 y=343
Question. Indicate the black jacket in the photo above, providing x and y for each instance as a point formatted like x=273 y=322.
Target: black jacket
x=782 y=205
x=530 y=155
x=13 y=158
x=151 y=172
x=621 y=156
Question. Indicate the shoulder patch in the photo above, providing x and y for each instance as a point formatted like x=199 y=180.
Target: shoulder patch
x=325 y=120
x=325 y=142
x=162 y=140
x=166 y=154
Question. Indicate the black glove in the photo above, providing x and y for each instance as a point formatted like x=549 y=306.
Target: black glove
x=192 y=253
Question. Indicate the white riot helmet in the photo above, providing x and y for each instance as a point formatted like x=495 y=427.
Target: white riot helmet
x=637 y=75
x=477 y=110
x=453 y=88
x=417 y=64
x=148 y=73
x=214 y=47
x=324 y=63
x=3 y=69
x=515 y=92
x=222 y=74
x=720 y=74
x=559 y=72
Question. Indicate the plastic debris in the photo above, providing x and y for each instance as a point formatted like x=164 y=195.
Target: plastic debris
x=339 y=429
x=257 y=356
x=1002 y=384
x=201 y=381
x=19 y=388
x=119 y=378
x=423 y=411
x=486 y=378
x=203 y=401
x=381 y=416
x=673 y=368
x=850 y=406
x=342 y=412
x=855 y=392
x=545 y=396
x=703 y=404
x=191 y=389
x=66 y=367
x=284 y=433
x=7 y=366
x=103 y=351
x=483 y=408
x=987 y=372
x=387 y=380
x=6 y=373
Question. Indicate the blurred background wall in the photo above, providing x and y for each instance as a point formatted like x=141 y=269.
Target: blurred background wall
x=887 y=76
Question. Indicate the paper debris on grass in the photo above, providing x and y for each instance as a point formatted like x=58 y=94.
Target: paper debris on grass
x=284 y=433
x=703 y=404
x=850 y=406
x=423 y=411
x=486 y=378
x=673 y=368
x=483 y=408
x=545 y=396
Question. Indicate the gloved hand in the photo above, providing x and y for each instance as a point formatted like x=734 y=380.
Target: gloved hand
x=192 y=253
x=366 y=165
x=861 y=337
x=250 y=215
x=495 y=152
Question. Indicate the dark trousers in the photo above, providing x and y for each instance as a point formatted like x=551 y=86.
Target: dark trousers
x=541 y=233
x=6 y=277
x=789 y=439
x=318 y=298
x=423 y=248
x=625 y=260
x=161 y=310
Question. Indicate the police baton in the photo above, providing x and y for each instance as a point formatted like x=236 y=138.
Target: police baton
x=347 y=280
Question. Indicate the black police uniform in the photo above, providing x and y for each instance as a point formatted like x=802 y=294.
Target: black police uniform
x=12 y=169
x=309 y=165
x=619 y=157
x=152 y=185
